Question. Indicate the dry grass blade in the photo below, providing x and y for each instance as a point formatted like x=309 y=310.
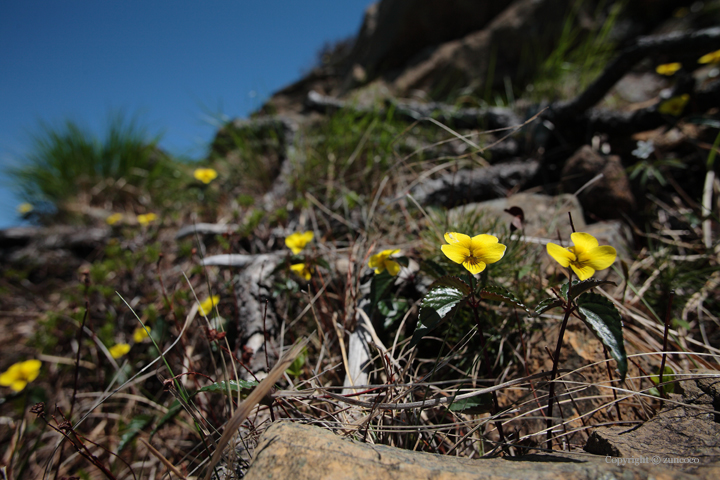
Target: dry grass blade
x=162 y=459
x=253 y=399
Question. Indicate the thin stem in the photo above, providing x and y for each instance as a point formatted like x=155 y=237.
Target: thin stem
x=556 y=360
x=610 y=376
x=86 y=282
x=661 y=388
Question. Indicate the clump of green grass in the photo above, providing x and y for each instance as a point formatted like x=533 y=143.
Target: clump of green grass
x=68 y=163
x=579 y=57
x=348 y=154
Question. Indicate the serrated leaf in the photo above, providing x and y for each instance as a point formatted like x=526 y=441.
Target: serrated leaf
x=436 y=304
x=578 y=288
x=442 y=299
x=135 y=426
x=233 y=386
x=601 y=316
x=564 y=290
x=548 y=304
x=495 y=292
x=475 y=405
x=452 y=281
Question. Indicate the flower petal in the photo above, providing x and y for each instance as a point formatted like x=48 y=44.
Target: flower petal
x=583 y=241
x=456 y=253
x=31 y=369
x=601 y=258
x=490 y=253
x=474 y=266
x=307 y=237
x=561 y=255
x=19 y=385
x=8 y=377
x=392 y=267
x=454 y=238
x=375 y=261
x=583 y=273
x=484 y=239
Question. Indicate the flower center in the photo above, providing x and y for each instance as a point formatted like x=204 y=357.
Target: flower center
x=580 y=259
x=472 y=260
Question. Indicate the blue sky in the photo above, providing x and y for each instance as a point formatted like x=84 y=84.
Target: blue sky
x=177 y=65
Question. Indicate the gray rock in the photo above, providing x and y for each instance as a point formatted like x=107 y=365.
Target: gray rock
x=291 y=450
x=607 y=198
x=685 y=429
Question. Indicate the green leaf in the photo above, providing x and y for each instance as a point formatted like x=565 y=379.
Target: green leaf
x=495 y=292
x=474 y=405
x=548 y=304
x=133 y=428
x=564 y=290
x=174 y=409
x=443 y=296
x=392 y=310
x=579 y=288
x=379 y=286
x=668 y=376
x=601 y=316
x=428 y=320
x=323 y=263
x=452 y=281
x=233 y=386
x=402 y=260
x=296 y=367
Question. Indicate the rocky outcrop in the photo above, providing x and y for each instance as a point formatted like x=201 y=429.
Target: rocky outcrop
x=395 y=31
x=606 y=197
x=291 y=450
x=686 y=431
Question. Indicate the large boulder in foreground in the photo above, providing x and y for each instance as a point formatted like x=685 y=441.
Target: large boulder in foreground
x=292 y=450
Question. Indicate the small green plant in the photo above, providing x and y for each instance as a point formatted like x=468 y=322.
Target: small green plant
x=577 y=60
x=70 y=164
x=449 y=292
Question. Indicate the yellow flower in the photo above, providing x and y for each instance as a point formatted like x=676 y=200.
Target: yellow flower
x=297 y=241
x=141 y=334
x=381 y=262
x=675 y=105
x=207 y=305
x=712 y=57
x=146 y=218
x=25 y=208
x=668 y=68
x=117 y=351
x=585 y=257
x=20 y=374
x=473 y=253
x=205 y=175
x=302 y=270
x=114 y=218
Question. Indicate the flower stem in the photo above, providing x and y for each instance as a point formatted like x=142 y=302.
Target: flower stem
x=668 y=312
x=556 y=360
